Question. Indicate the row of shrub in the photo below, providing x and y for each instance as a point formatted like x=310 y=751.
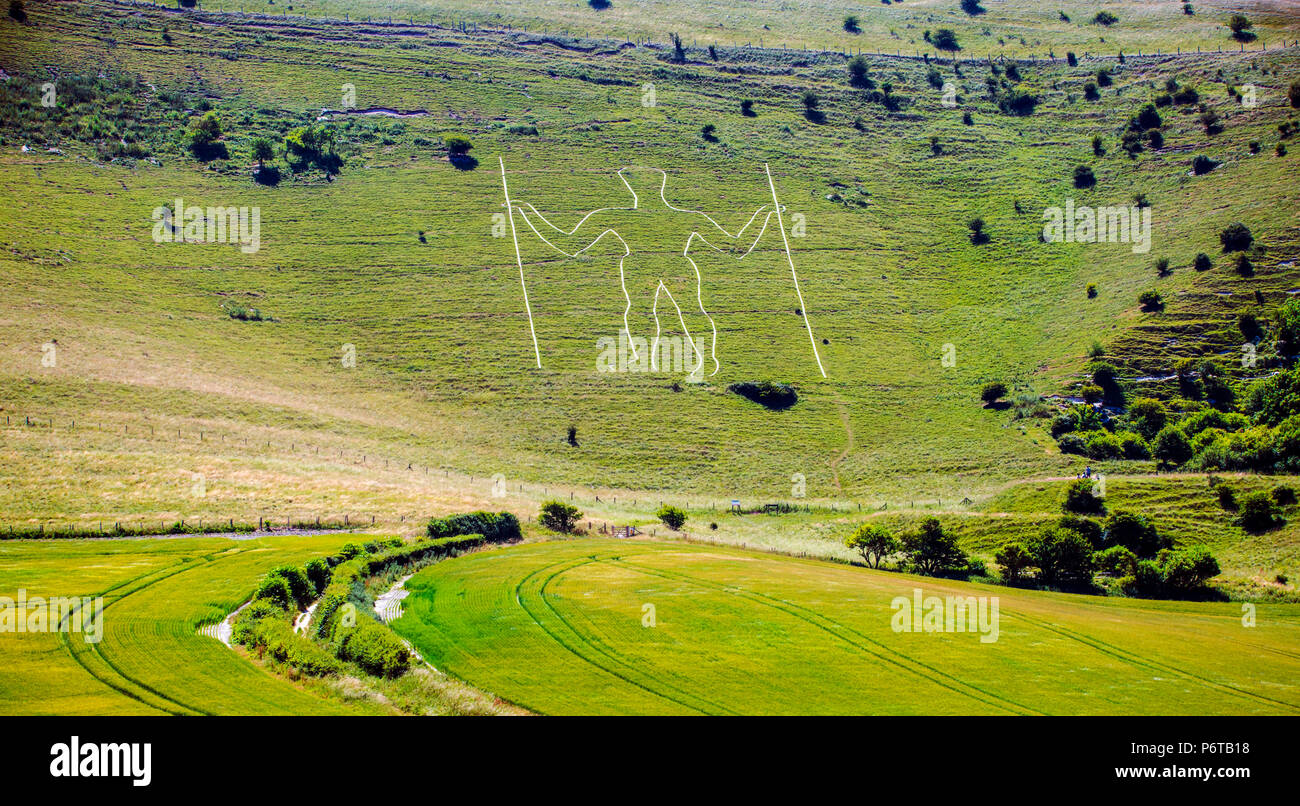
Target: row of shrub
x=342 y=627
x=1066 y=554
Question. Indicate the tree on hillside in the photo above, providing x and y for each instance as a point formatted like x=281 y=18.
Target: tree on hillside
x=1240 y=26
x=204 y=136
x=851 y=24
x=1135 y=532
x=945 y=39
x=1147 y=416
x=679 y=52
x=972 y=7
x=1015 y=561
x=672 y=517
x=977 y=234
x=1081 y=498
x=1258 y=513
x=931 y=551
x=16 y=10
x=874 y=543
x=992 y=392
x=559 y=516
x=858 y=74
x=1236 y=237
x=1063 y=557
x=1293 y=93
x=261 y=150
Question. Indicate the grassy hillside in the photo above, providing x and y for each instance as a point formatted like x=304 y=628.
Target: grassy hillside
x=559 y=627
x=1000 y=27
x=155 y=385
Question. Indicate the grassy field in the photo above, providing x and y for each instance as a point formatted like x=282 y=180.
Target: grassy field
x=1003 y=28
x=151 y=659
x=129 y=394
x=558 y=627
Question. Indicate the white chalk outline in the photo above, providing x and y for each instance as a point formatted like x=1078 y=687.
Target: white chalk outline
x=699 y=280
x=811 y=339
x=519 y=260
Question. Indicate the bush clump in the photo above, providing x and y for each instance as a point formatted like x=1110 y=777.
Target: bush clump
x=772 y=395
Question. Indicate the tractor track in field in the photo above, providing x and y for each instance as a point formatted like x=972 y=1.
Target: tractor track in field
x=569 y=565
x=891 y=656
x=65 y=641
x=1132 y=659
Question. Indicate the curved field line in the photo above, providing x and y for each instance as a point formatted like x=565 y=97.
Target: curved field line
x=891 y=656
x=520 y=601
x=65 y=641
x=608 y=651
x=203 y=561
x=1134 y=660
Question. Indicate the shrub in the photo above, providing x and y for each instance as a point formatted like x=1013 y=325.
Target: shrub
x=204 y=135
x=1084 y=177
x=1103 y=78
x=1202 y=262
x=945 y=39
x=277 y=591
x=1134 y=532
x=495 y=527
x=672 y=517
x=457 y=146
x=1293 y=93
x=374 y=648
x=1151 y=300
x=1240 y=26
x=874 y=543
x=931 y=551
x=1117 y=561
x=1227 y=497
x=318 y=573
x=300 y=589
x=766 y=393
x=1236 y=237
x=1103 y=445
x=16 y=10
x=1170 y=447
x=747 y=108
x=1188 y=570
x=992 y=392
x=1090 y=91
x=1105 y=18
x=1071 y=59
x=1283 y=495
x=1015 y=561
x=1091 y=392
x=1063 y=557
x=559 y=516
x=1146 y=118
x=972 y=7
x=1133 y=446
x=858 y=73
x=1258 y=513
x=851 y=24
x=1147 y=416
x=1202 y=164
x=1089 y=528
x=1081 y=498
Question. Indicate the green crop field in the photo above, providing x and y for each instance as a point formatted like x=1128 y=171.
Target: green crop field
x=559 y=627
x=151 y=658
x=397 y=347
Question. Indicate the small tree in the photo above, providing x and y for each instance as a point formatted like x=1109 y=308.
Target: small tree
x=874 y=543
x=1240 y=26
x=679 y=52
x=1236 y=237
x=1081 y=498
x=1135 y=533
x=1170 y=447
x=945 y=39
x=1258 y=512
x=851 y=24
x=1083 y=176
x=1202 y=262
x=276 y=590
x=1147 y=416
x=1063 y=557
x=810 y=100
x=672 y=517
x=458 y=146
x=858 y=73
x=992 y=392
x=747 y=108
x=1293 y=93
x=1151 y=300
x=933 y=552
x=972 y=7
x=262 y=150
x=1015 y=561
x=977 y=234
x=559 y=516
x=17 y=11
